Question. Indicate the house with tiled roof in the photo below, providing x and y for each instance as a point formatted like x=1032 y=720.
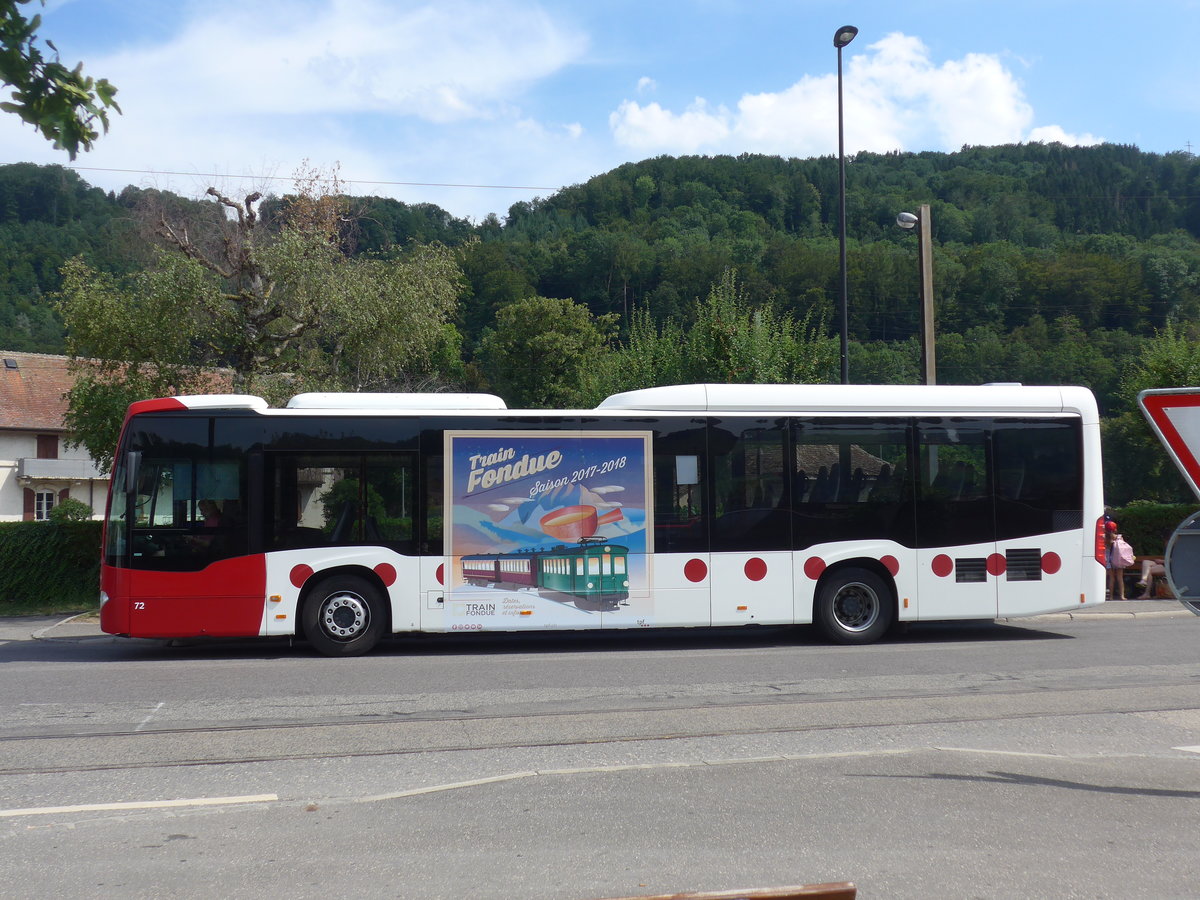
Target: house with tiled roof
x=38 y=470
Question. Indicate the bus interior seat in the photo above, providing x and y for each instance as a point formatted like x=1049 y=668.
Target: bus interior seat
x=371 y=530
x=344 y=529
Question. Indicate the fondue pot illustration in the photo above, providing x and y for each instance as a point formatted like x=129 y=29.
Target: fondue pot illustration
x=570 y=523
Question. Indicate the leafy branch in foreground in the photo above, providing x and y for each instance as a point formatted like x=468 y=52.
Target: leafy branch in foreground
x=63 y=104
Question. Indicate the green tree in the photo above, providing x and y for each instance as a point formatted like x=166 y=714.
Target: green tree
x=1171 y=359
x=545 y=352
x=266 y=312
x=63 y=104
x=1136 y=465
x=726 y=340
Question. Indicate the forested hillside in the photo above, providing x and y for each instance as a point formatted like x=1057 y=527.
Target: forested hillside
x=1035 y=247
x=1052 y=264
x=1024 y=236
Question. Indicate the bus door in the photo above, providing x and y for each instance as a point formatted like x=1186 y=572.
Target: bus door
x=751 y=522
x=957 y=560
x=1038 y=465
x=678 y=568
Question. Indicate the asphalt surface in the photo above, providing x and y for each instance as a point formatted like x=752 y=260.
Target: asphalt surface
x=1054 y=760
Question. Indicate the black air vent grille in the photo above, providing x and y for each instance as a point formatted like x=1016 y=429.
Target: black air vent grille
x=970 y=571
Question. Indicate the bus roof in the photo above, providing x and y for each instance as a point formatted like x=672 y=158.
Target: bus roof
x=693 y=398
x=857 y=398
x=396 y=401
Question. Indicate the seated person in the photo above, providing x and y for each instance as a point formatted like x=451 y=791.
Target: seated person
x=211 y=521
x=1151 y=568
x=211 y=513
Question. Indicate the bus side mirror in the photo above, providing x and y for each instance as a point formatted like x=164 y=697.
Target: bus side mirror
x=133 y=460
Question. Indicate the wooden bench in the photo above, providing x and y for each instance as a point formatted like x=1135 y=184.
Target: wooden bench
x=1133 y=573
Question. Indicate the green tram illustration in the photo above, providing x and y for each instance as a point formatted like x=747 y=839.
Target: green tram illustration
x=592 y=574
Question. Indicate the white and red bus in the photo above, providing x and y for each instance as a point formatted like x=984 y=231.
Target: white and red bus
x=344 y=518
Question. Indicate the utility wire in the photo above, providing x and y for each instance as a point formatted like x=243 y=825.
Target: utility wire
x=502 y=187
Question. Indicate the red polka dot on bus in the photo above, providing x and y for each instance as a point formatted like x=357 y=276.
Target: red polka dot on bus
x=441 y=574
x=755 y=569
x=695 y=570
x=386 y=573
x=942 y=565
x=891 y=564
x=300 y=574
x=813 y=567
x=996 y=564
x=1051 y=563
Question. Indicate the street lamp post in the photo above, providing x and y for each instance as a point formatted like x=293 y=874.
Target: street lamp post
x=925 y=263
x=841 y=38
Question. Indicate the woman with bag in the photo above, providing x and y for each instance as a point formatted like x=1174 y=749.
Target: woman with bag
x=1118 y=555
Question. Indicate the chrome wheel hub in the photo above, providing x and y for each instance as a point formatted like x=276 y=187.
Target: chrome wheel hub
x=344 y=616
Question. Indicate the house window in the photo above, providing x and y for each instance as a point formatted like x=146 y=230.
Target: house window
x=43 y=502
x=47 y=446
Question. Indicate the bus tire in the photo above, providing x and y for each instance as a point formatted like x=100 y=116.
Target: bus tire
x=344 y=616
x=854 y=606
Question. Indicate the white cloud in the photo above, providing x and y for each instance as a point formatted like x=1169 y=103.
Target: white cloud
x=441 y=62
x=1053 y=134
x=895 y=97
x=441 y=91
x=650 y=127
x=393 y=90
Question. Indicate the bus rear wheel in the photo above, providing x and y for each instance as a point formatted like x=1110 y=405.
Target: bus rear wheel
x=854 y=606
x=344 y=616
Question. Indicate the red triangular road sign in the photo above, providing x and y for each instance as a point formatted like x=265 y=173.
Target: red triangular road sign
x=1174 y=414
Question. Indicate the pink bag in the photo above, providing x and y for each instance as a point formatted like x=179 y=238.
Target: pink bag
x=1122 y=553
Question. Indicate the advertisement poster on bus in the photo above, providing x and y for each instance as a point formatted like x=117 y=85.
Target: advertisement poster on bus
x=547 y=529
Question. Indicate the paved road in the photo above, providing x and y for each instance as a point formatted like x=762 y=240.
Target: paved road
x=1056 y=757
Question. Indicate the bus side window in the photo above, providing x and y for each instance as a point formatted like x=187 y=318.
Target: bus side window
x=849 y=480
x=953 y=483
x=750 y=511
x=431 y=542
x=343 y=499
x=1039 y=476
x=678 y=502
x=390 y=496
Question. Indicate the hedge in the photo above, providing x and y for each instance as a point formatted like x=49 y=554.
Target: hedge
x=1148 y=526
x=49 y=565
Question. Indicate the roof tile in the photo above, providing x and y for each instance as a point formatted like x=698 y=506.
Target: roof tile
x=33 y=389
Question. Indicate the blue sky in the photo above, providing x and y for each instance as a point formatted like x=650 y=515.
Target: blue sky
x=520 y=98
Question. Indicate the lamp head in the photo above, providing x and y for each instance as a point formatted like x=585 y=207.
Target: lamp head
x=907 y=220
x=844 y=35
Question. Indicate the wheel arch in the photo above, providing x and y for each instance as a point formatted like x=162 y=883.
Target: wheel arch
x=860 y=562
x=314 y=582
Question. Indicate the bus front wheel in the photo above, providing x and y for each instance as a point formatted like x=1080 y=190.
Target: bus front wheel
x=854 y=606
x=344 y=616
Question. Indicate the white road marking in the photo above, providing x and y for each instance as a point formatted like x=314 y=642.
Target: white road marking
x=1003 y=752
x=146 y=720
x=437 y=788
x=629 y=767
x=1187 y=749
x=140 y=804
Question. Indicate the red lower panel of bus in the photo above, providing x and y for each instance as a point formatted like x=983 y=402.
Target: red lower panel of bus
x=225 y=599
